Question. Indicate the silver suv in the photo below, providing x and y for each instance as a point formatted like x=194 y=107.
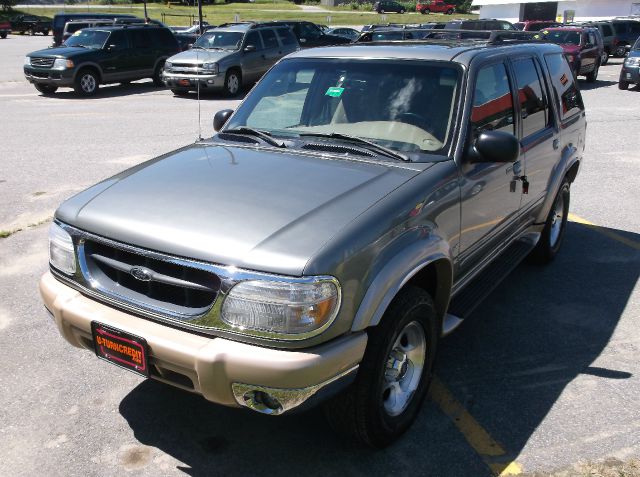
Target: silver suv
x=353 y=210
x=228 y=57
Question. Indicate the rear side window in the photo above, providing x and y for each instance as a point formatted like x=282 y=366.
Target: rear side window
x=532 y=100
x=141 y=39
x=564 y=85
x=269 y=38
x=492 y=100
x=607 y=30
x=286 y=36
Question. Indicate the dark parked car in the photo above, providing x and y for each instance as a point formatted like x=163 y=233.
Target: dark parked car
x=630 y=73
x=95 y=56
x=356 y=208
x=389 y=6
x=228 y=57
x=61 y=19
x=73 y=26
x=310 y=35
x=626 y=32
x=348 y=33
x=31 y=24
x=582 y=45
x=481 y=24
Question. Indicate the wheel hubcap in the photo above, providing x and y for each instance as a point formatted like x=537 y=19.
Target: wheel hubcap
x=556 y=220
x=233 y=84
x=88 y=83
x=403 y=368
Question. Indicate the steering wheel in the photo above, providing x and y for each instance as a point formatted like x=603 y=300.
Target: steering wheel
x=416 y=120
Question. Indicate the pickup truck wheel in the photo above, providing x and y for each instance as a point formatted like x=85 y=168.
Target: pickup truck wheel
x=553 y=233
x=86 y=83
x=45 y=88
x=394 y=375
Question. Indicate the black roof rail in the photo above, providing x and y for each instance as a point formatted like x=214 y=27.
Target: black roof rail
x=490 y=36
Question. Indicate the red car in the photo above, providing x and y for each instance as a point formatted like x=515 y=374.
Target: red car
x=435 y=6
x=583 y=47
x=5 y=28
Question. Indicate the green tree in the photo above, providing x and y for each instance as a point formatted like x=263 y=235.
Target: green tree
x=8 y=4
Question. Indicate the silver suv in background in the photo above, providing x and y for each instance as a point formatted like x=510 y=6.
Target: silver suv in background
x=228 y=57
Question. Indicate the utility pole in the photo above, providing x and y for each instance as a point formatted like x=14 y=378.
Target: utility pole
x=200 y=17
x=145 y=11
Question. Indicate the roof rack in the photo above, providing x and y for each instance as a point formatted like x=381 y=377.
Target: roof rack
x=489 y=37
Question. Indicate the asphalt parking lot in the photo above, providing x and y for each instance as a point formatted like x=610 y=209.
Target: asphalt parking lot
x=544 y=376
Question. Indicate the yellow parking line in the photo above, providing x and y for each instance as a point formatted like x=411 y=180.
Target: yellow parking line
x=492 y=453
x=606 y=232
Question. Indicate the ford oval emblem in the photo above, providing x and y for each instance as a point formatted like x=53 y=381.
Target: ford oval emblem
x=141 y=273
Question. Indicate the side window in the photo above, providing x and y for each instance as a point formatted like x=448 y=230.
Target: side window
x=286 y=36
x=166 y=38
x=492 y=100
x=269 y=38
x=141 y=39
x=253 y=38
x=309 y=32
x=564 y=85
x=607 y=30
x=119 y=39
x=592 y=38
x=535 y=116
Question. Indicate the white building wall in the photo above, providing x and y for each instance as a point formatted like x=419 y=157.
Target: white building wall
x=584 y=9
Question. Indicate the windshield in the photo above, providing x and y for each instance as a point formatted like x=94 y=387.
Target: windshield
x=402 y=105
x=560 y=37
x=88 y=39
x=220 y=39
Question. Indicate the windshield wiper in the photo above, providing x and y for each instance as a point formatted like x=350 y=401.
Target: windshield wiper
x=358 y=140
x=265 y=136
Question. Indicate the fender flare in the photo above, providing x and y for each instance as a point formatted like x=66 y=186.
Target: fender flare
x=89 y=64
x=388 y=282
x=567 y=162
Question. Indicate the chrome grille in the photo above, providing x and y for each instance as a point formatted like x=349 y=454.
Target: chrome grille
x=136 y=278
x=42 y=62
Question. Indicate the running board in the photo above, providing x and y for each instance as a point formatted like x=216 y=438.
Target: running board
x=468 y=299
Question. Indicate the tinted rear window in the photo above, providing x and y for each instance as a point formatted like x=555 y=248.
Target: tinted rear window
x=564 y=85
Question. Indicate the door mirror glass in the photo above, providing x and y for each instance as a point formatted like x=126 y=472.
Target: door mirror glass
x=220 y=118
x=495 y=146
x=250 y=48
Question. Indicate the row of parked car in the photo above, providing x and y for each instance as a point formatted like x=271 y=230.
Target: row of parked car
x=233 y=55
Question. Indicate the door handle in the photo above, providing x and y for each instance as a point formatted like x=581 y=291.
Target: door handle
x=556 y=143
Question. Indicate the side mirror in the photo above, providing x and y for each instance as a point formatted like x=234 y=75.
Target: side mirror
x=111 y=47
x=303 y=40
x=220 y=118
x=190 y=46
x=495 y=146
x=250 y=48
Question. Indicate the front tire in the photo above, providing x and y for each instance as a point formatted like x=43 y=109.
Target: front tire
x=394 y=375
x=86 y=83
x=604 y=58
x=620 y=51
x=554 y=228
x=592 y=77
x=157 y=75
x=232 y=83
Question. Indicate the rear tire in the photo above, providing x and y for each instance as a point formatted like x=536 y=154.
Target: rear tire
x=592 y=77
x=87 y=82
x=604 y=58
x=620 y=51
x=394 y=375
x=45 y=89
x=554 y=228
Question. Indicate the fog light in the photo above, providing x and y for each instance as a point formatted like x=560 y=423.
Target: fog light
x=262 y=402
x=210 y=81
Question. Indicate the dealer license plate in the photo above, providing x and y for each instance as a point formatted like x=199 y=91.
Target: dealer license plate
x=184 y=82
x=120 y=348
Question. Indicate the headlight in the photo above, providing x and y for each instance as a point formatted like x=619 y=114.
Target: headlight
x=61 y=252
x=27 y=60
x=62 y=63
x=211 y=67
x=633 y=61
x=282 y=308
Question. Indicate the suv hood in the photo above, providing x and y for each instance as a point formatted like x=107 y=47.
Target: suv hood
x=60 y=52
x=200 y=56
x=251 y=208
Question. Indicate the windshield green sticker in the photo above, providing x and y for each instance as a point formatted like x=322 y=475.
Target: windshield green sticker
x=334 y=92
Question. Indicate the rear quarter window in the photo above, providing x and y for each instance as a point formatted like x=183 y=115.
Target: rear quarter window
x=564 y=84
x=286 y=36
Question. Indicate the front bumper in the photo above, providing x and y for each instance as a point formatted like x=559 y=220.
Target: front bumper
x=49 y=76
x=630 y=74
x=222 y=371
x=190 y=82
